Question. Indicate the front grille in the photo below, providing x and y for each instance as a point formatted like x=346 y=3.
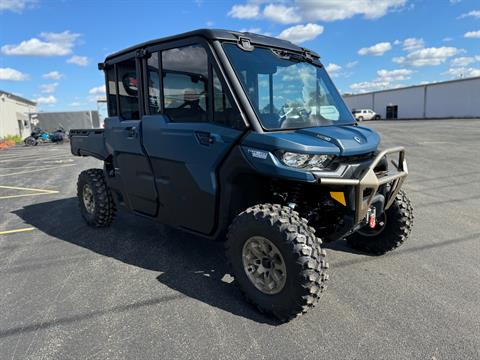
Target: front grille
x=355 y=159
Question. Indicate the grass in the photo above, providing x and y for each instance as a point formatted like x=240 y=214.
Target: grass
x=10 y=140
x=15 y=138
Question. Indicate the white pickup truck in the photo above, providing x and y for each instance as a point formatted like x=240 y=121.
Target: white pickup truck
x=365 y=114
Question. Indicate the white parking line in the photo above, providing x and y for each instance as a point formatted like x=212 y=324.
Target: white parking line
x=36 y=170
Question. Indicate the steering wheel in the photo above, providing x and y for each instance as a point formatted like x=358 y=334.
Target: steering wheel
x=283 y=117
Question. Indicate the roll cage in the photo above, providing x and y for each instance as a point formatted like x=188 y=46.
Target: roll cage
x=212 y=40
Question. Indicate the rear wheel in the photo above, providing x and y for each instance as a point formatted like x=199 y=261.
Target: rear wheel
x=392 y=228
x=95 y=200
x=276 y=260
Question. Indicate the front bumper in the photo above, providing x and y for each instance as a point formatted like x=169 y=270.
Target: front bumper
x=368 y=182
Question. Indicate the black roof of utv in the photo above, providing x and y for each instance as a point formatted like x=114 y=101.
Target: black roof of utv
x=218 y=34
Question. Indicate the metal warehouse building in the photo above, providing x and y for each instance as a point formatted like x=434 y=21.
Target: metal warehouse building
x=449 y=99
x=68 y=120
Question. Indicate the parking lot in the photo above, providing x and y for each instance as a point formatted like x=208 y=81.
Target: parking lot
x=139 y=290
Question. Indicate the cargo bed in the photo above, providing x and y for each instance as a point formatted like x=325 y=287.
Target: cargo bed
x=88 y=142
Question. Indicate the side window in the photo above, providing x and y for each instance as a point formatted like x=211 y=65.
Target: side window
x=153 y=84
x=185 y=83
x=224 y=113
x=128 y=90
x=112 y=92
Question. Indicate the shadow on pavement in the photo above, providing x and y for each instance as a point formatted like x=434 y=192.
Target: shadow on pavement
x=191 y=265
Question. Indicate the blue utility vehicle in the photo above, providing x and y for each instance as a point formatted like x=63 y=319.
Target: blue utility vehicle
x=243 y=138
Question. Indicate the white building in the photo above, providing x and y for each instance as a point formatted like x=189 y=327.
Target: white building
x=15 y=115
x=449 y=99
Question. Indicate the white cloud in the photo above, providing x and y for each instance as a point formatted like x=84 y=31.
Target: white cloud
x=281 y=14
x=365 y=86
x=394 y=75
x=97 y=90
x=473 y=13
x=412 y=44
x=462 y=72
x=247 y=11
x=376 y=50
x=46 y=100
x=49 y=44
x=255 y=30
x=314 y=10
x=333 y=69
x=251 y=30
x=385 y=80
x=427 y=56
x=76 y=104
x=462 y=61
x=9 y=74
x=472 y=34
x=53 y=75
x=331 y=10
x=78 y=60
x=15 y=5
x=48 y=88
x=447 y=39
x=351 y=64
x=300 y=33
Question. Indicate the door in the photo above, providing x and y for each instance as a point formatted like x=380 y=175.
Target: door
x=190 y=128
x=134 y=182
x=392 y=112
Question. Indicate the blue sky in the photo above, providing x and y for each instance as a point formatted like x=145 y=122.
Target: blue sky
x=49 y=49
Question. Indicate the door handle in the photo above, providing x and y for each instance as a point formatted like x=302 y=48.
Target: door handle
x=131 y=131
x=206 y=138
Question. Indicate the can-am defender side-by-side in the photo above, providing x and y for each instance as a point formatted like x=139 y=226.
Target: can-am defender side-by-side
x=243 y=138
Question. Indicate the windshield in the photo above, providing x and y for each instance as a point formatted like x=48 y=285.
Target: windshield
x=288 y=93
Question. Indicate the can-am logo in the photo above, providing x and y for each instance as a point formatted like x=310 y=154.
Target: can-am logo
x=323 y=137
x=357 y=139
x=258 y=154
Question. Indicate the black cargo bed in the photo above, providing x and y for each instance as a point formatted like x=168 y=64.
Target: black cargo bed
x=88 y=142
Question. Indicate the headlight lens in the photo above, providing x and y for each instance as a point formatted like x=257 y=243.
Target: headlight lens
x=306 y=161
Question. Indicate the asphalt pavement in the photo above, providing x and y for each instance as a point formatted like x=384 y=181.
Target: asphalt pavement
x=139 y=290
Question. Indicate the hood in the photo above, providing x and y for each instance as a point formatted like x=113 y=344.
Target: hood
x=346 y=140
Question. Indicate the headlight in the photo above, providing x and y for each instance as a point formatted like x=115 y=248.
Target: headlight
x=306 y=161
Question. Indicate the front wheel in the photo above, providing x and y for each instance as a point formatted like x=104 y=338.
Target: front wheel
x=95 y=200
x=392 y=228
x=30 y=141
x=276 y=260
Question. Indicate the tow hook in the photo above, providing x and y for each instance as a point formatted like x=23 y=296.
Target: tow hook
x=372 y=217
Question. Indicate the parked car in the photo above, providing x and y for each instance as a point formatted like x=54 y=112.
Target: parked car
x=365 y=114
x=201 y=140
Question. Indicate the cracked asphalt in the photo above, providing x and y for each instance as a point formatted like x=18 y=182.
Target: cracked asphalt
x=139 y=290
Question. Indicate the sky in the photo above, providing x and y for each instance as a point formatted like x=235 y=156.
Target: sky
x=49 y=49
